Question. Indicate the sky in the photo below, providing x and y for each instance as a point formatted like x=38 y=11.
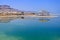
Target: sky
x=34 y=5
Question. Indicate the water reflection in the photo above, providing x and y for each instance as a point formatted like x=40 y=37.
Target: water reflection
x=5 y=20
x=44 y=19
x=8 y=19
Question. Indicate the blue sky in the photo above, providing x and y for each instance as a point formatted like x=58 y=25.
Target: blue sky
x=34 y=5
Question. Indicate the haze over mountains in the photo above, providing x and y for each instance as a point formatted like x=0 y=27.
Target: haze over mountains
x=7 y=8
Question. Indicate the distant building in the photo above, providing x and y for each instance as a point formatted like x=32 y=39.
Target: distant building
x=44 y=13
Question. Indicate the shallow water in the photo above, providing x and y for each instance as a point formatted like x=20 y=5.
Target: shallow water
x=30 y=29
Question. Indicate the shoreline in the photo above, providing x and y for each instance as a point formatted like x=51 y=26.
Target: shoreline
x=29 y=16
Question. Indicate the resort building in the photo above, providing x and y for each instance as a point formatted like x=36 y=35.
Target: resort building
x=44 y=13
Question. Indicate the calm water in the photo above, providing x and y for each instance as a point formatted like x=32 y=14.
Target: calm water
x=30 y=29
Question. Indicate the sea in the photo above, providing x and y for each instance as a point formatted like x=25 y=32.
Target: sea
x=30 y=29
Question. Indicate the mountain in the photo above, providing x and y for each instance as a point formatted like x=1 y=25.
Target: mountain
x=7 y=8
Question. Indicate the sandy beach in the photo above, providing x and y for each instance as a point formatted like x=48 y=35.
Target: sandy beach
x=29 y=16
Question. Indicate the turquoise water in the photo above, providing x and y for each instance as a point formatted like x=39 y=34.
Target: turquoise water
x=30 y=29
